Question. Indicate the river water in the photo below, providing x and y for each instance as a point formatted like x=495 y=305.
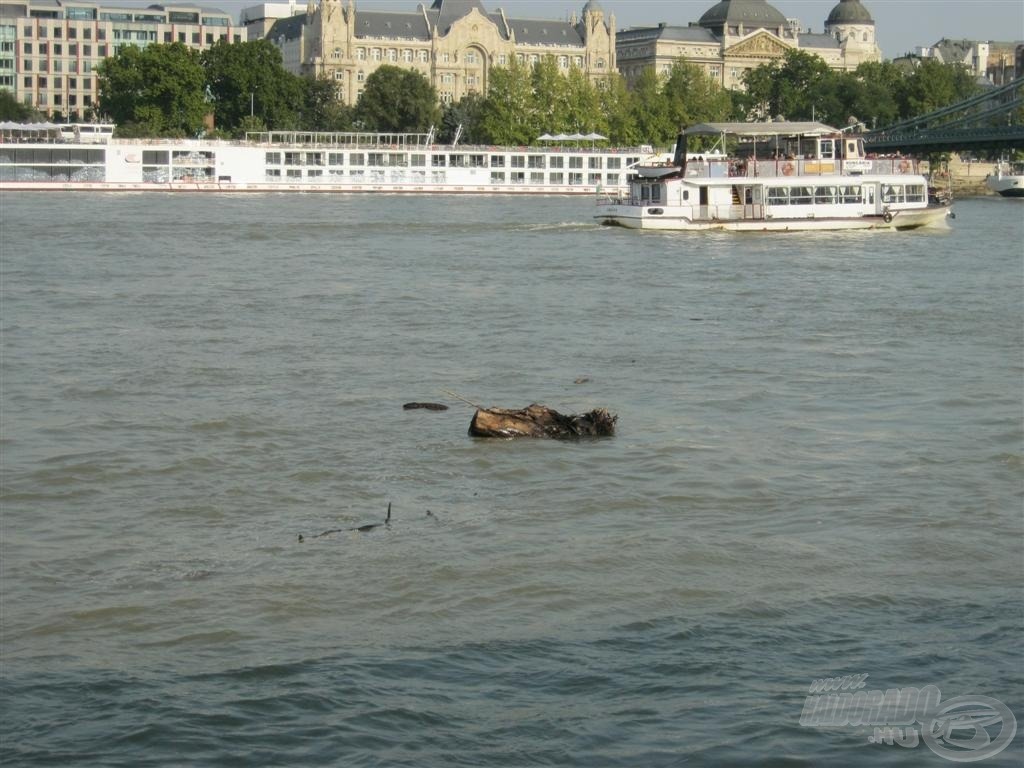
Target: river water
x=818 y=471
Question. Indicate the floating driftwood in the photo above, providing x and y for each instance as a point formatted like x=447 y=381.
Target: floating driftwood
x=425 y=406
x=540 y=421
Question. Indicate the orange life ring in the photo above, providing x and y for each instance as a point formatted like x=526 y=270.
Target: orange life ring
x=787 y=169
x=904 y=165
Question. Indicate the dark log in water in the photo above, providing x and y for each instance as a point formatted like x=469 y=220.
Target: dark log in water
x=541 y=421
x=425 y=407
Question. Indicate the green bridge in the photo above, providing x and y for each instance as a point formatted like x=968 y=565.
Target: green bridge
x=989 y=121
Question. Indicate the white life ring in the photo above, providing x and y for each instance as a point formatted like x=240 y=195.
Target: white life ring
x=887 y=217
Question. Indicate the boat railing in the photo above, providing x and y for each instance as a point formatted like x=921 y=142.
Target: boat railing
x=711 y=168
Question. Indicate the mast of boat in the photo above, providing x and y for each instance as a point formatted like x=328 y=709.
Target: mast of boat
x=458 y=135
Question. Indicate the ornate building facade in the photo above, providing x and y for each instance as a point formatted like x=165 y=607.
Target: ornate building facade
x=735 y=36
x=454 y=43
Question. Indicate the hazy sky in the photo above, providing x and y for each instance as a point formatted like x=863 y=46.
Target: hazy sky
x=902 y=25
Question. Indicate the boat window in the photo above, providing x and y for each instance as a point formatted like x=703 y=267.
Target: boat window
x=518 y=161
x=824 y=195
x=478 y=161
x=614 y=163
x=557 y=178
x=314 y=158
x=335 y=158
x=536 y=161
x=686 y=194
x=375 y=159
x=575 y=178
x=849 y=194
x=594 y=163
x=497 y=161
x=437 y=161
x=656 y=193
x=418 y=161
x=518 y=177
x=915 y=193
x=356 y=158
x=612 y=179
x=397 y=159
x=892 y=193
x=575 y=162
x=292 y=158
x=556 y=162
x=645 y=193
x=800 y=196
x=497 y=177
x=150 y=157
x=778 y=196
x=458 y=161
x=827 y=149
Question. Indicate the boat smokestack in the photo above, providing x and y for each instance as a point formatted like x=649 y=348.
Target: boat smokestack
x=679 y=160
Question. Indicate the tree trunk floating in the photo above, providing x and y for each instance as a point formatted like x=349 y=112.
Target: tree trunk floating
x=541 y=421
x=425 y=407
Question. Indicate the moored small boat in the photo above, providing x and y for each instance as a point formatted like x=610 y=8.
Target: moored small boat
x=1007 y=180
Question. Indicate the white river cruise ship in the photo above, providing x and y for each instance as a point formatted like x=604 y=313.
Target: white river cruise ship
x=54 y=157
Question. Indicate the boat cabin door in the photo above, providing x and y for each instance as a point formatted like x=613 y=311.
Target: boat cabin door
x=753 y=204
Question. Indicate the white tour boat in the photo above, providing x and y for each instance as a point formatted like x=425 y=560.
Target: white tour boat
x=54 y=157
x=1008 y=179
x=774 y=177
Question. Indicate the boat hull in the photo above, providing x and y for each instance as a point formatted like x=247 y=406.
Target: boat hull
x=932 y=216
x=222 y=187
x=1007 y=186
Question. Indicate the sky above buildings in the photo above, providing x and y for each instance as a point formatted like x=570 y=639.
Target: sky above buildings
x=902 y=25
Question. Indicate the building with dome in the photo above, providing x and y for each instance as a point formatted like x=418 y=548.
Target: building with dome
x=735 y=36
x=454 y=43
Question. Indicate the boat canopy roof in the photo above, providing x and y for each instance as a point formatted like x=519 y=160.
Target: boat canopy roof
x=761 y=129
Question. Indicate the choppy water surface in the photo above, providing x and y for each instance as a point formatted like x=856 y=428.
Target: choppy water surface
x=818 y=472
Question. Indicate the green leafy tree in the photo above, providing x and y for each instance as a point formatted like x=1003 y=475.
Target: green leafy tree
x=585 y=113
x=248 y=79
x=551 y=98
x=322 y=110
x=507 y=114
x=651 y=113
x=398 y=100
x=874 y=92
x=155 y=91
x=616 y=104
x=12 y=109
x=933 y=85
x=793 y=87
x=694 y=97
x=465 y=112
